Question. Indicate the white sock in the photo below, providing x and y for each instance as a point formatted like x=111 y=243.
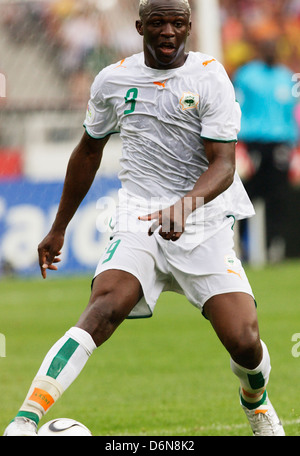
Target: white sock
x=62 y=364
x=253 y=381
x=67 y=357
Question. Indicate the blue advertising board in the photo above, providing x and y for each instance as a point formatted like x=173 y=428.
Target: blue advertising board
x=27 y=211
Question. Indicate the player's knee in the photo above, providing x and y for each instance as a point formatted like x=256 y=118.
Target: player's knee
x=245 y=348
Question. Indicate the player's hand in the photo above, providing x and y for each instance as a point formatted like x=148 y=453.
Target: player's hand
x=49 y=250
x=171 y=220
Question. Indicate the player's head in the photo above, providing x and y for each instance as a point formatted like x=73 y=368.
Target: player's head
x=145 y=4
x=165 y=26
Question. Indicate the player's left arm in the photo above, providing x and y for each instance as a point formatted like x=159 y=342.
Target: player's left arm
x=214 y=181
x=219 y=175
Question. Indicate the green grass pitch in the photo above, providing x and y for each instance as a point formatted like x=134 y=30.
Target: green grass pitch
x=163 y=376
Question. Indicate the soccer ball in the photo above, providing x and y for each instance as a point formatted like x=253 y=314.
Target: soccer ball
x=64 y=427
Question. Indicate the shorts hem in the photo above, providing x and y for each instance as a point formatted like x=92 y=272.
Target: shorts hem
x=225 y=291
x=130 y=271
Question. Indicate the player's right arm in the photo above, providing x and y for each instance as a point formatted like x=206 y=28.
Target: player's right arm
x=82 y=167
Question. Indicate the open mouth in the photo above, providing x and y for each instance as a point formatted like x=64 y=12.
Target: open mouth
x=167 y=48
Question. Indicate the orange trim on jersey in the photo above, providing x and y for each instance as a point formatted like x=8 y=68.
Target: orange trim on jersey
x=161 y=84
x=42 y=397
x=208 y=61
x=233 y=272
x=121 y=64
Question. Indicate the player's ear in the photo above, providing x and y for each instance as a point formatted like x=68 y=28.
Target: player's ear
x=139 y=27
x=189 y=29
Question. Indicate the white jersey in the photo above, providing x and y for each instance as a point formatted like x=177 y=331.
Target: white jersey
x=162 y=116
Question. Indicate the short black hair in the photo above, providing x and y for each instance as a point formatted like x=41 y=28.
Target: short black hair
x=144 y=4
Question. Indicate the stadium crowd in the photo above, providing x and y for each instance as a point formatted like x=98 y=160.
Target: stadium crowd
x=246 y=22
x=86 y=36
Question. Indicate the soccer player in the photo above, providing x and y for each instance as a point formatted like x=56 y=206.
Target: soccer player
x=178 y=119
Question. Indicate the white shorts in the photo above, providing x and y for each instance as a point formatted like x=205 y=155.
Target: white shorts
x=198 y=271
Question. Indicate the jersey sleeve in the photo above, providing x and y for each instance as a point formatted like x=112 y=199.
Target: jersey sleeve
x=101 y=118
x=220 y=112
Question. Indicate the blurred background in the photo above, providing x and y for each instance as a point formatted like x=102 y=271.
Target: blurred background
x=50 y=52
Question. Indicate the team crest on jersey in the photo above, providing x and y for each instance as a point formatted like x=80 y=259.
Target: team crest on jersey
x=189 y=100
x=230 y=260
